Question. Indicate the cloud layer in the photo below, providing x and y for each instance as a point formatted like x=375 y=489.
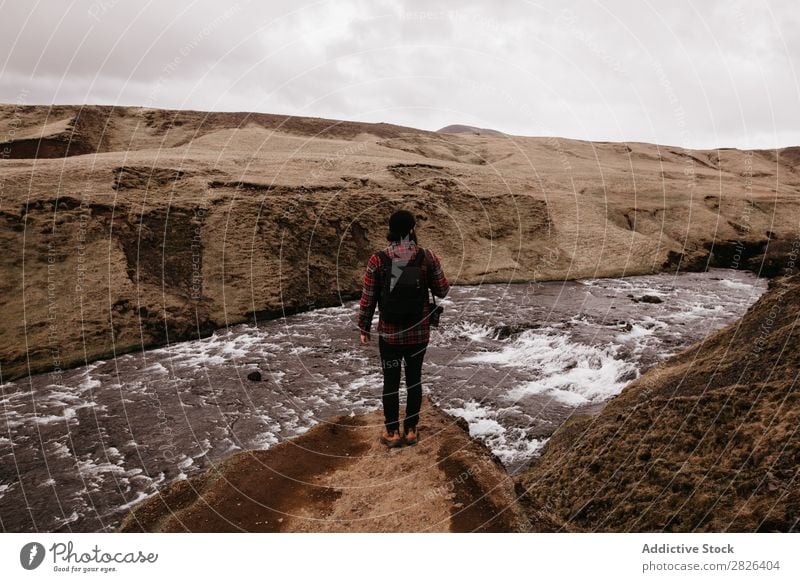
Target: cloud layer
x=695 y=74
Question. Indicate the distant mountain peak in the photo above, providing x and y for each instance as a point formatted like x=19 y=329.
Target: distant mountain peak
x=469 y=129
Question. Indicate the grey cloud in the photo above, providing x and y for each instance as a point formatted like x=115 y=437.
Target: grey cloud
x=699 y=74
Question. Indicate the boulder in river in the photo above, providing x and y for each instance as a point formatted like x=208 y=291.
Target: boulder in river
x=646 y=299
x=651 y=299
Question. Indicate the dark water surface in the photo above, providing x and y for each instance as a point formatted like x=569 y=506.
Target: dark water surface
x=514 y=360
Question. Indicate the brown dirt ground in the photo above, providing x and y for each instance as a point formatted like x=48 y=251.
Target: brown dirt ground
x=338 y=477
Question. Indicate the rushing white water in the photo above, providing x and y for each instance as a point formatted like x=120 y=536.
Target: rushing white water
x=513 y=360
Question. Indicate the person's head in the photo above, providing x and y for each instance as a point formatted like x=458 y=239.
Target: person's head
x=401 y=226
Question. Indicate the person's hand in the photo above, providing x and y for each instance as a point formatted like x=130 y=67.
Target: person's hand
x=365 y=337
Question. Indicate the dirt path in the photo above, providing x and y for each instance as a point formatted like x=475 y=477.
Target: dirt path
x=338 y=477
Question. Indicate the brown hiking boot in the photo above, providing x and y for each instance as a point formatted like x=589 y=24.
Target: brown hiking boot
x=411 y=436
x=391 y=439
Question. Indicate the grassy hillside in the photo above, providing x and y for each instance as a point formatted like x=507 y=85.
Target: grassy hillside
x=124 y=228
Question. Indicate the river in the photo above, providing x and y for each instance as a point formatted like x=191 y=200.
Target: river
x=514 y=360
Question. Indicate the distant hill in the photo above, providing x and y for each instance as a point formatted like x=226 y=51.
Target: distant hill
x=469 y=129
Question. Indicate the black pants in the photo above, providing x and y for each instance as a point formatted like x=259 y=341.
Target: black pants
x=392 y=357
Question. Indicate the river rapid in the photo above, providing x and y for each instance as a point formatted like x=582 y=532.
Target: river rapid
x=514 y=360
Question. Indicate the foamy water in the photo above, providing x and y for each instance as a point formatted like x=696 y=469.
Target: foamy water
x=514 y=361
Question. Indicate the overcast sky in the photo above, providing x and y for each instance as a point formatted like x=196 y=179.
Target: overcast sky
x=694 y=74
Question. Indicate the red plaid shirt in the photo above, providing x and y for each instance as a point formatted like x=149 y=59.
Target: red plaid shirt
x=432 y=273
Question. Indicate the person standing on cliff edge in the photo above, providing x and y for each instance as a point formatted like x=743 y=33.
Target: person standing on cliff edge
x=398 y=278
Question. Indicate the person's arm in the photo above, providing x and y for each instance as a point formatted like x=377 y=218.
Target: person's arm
x=369 y=295
x=437 y=282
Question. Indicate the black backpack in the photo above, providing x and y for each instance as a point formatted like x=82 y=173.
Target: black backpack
x=405 y=302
